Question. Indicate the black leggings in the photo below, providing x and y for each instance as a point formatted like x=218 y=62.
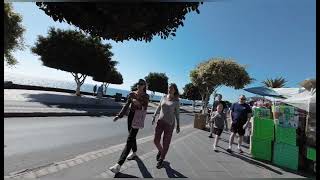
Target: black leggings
x=131 y=140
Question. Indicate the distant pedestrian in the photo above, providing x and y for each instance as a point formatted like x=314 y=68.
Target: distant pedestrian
x=169 y=109
x=240 y=115
x=219 y=120
x=100 y=91
x=214 y=107
x=137 y=100
x=94 y=90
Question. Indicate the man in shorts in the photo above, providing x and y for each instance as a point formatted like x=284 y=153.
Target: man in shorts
x=240 y=113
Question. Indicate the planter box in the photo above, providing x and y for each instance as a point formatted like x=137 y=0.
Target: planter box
x=311 y=154
x=286 y=135
x=286 y=155
x=263 y=128
x=261 y=148
x=200 y=121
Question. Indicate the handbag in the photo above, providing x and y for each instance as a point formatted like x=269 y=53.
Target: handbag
x=138 y=119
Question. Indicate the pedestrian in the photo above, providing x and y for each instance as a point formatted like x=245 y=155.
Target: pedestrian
x=214 y=107
x=240 y=115
x=137 y=100
x=219 y=121
x=100 y=91
x=169 y=109
x=94 y=90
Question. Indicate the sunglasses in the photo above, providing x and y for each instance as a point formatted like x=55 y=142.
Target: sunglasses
x=141 y=84
x=242 y=98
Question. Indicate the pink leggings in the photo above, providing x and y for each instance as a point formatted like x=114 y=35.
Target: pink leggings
x=167 y=129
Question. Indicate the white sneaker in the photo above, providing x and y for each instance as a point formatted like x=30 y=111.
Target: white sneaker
x=115 y=169
x=131 y=156
x=214 y=148
x=240 y=150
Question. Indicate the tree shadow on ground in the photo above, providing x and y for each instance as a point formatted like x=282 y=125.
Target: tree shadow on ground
x=82 y=103
x=123 y=175
x=171 y=172
x=254 y=162
x=143 y=169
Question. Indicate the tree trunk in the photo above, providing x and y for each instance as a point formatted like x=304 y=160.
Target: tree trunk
x=105 y=88
x=194 y=105
x=79 y=82
x=78 y=89
x=203 y=98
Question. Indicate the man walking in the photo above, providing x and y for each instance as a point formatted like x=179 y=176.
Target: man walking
x=240 y=113
x=100 y=91
x=214 y=107
x=94 y=90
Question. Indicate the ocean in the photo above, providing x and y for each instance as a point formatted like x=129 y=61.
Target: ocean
x=46 y=82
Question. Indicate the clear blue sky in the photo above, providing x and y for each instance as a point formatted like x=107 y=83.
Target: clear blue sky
x=273 y=37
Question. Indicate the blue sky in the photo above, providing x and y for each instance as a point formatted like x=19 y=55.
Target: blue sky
x=272 y=37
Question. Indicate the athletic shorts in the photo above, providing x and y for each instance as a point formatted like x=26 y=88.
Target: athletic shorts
x=238 y=128
x=217 y=131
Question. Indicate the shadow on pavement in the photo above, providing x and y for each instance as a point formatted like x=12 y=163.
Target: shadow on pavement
x=171 y=172
x=123 y=175
x=144 y=171
x=72 y=102
x=254 y=162
x=234 y=143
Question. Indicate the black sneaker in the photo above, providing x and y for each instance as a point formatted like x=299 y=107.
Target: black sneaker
x=240 y=150
x=160 y=164
x=210 y=136
x=158 y=156
x=229 y=150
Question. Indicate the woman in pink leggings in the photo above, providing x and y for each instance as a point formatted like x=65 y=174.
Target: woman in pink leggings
x=169 y=113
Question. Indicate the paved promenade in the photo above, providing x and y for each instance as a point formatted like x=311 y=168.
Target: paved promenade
x=23 y=103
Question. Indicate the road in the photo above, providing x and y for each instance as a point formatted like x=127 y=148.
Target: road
x=39 y=141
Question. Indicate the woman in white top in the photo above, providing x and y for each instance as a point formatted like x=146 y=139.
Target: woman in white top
x=169 y=109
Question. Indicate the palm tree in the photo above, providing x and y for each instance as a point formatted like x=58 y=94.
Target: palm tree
x=275 y=83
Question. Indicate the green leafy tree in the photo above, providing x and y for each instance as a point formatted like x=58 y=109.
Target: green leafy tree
x=122 y=21
x=211 y=74
x=109 y=77
x=309 y=84
x=74 y=52
x=157 y=82
x=275 y=83
x=191 y=92
x=13 y=34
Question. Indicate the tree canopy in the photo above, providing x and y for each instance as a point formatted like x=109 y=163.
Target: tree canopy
x=74 y=52
x=191 y=92
x=157 y=82
x=211 y=74
x=109 y=77
x=13 y=33
x=122 y=21
x=275 y=83
x=308 y=84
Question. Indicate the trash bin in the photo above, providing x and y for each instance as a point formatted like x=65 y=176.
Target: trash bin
x=118 y=97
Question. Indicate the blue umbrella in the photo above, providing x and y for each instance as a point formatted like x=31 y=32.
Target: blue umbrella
x=263 y=91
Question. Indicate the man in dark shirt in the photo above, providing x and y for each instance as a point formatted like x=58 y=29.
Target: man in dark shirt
x=240 y=113
x=214 y=108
